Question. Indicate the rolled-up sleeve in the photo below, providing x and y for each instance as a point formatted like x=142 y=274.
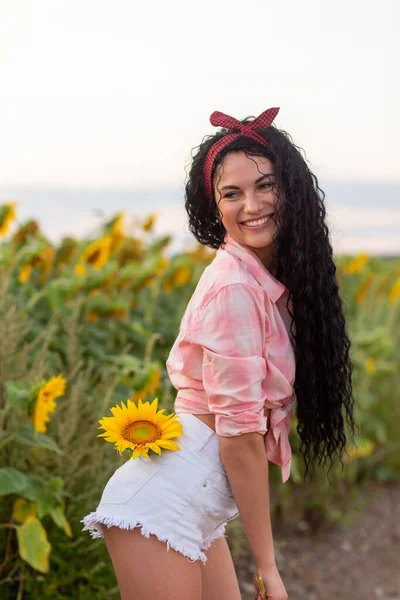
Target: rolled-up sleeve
x=231 y=330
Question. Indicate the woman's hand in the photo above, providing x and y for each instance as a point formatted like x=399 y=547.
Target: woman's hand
x=275 y=590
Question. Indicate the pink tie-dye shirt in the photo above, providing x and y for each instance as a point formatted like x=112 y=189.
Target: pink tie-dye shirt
x=234 y=355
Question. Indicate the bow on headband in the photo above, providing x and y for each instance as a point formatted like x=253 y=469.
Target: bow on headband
x=219 y=119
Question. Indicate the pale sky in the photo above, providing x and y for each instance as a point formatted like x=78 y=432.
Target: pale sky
x=116 y=93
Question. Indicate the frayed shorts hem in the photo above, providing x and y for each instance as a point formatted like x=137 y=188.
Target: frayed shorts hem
x=94 y=521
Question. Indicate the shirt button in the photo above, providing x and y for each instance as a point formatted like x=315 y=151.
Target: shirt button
x=204 y=485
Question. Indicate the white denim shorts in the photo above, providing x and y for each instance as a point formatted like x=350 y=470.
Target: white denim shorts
x=183 y=497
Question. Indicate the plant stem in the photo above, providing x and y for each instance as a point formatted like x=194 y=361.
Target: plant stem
x=5 y=442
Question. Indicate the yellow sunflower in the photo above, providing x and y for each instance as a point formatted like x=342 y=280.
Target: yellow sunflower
x=162 y=265
x=25 y=273
x=141 y=428
x=117 y=228
x=43 y=261
x=180 y=277
x=131 y=250
x=7 y=215
x=364 y=287
x=66 y=252
x=370 y=365
x=116 y=313
x=394 y=294
x=45 y=404
x=151 y=385
x=149 y=222
x=97 y=253
x=356 y=264
x=201 y=253
x=26 y=231
x=80 y=269
x=364 y=448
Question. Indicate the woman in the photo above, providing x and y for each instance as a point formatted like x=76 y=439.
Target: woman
x=263 y=331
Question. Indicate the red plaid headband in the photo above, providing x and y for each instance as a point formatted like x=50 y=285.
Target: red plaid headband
x=219 y=119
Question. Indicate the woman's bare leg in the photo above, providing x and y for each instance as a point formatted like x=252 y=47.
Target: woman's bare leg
x=219 y=581
x=145 y=570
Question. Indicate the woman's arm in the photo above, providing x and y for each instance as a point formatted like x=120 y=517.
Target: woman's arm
x=232 y=329
x=246 y=466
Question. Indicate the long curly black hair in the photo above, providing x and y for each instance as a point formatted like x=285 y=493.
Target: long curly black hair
x=304 y=264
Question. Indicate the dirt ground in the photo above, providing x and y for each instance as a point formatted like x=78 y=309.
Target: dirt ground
x=356 y=560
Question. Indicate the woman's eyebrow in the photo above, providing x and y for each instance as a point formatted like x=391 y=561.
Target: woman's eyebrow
x=235 y=187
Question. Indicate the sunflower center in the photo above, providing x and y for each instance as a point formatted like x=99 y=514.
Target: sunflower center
x=141 y=432
x=94 y=256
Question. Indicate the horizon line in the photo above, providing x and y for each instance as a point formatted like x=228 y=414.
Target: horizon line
x=165 y=187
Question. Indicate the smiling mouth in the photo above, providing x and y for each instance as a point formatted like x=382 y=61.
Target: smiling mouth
x=257 y=222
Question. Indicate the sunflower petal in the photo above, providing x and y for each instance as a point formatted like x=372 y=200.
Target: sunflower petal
x=132 y=408
x=155 y=448
x=154 y=405
x=109 y=423
x=123 y=445
x=168 y=422
x=118 y=411
x=137 y=452
x=159 y=412
x=169 y=436
x=172 y=425
x=168 y=445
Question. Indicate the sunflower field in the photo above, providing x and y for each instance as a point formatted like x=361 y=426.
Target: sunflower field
x=86 y=326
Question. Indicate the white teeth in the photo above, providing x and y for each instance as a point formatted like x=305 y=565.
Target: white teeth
x=254 y=223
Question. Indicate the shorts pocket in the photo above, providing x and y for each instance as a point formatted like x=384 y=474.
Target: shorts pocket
x=218 y=506
x=219 y=483
x=129 y=478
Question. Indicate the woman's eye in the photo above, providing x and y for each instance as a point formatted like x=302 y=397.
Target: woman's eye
x=263 y=186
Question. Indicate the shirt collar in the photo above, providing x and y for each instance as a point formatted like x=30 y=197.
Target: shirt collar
x=274 y=288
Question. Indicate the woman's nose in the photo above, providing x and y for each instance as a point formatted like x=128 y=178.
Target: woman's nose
x=252 y=202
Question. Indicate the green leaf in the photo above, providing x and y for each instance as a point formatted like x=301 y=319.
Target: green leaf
x=26 y=434
x=46 y=493
x=17 y=394
x=43 y=497
x=159 y=244
x=384 y=367
x=380 y=432
x=12 y=481
x=367 y=399
x=384 y=473
x=295 y=470
x=22 y=509
x=377 y=341
x=59 y=518
x=59 y=289
x=33 y=545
